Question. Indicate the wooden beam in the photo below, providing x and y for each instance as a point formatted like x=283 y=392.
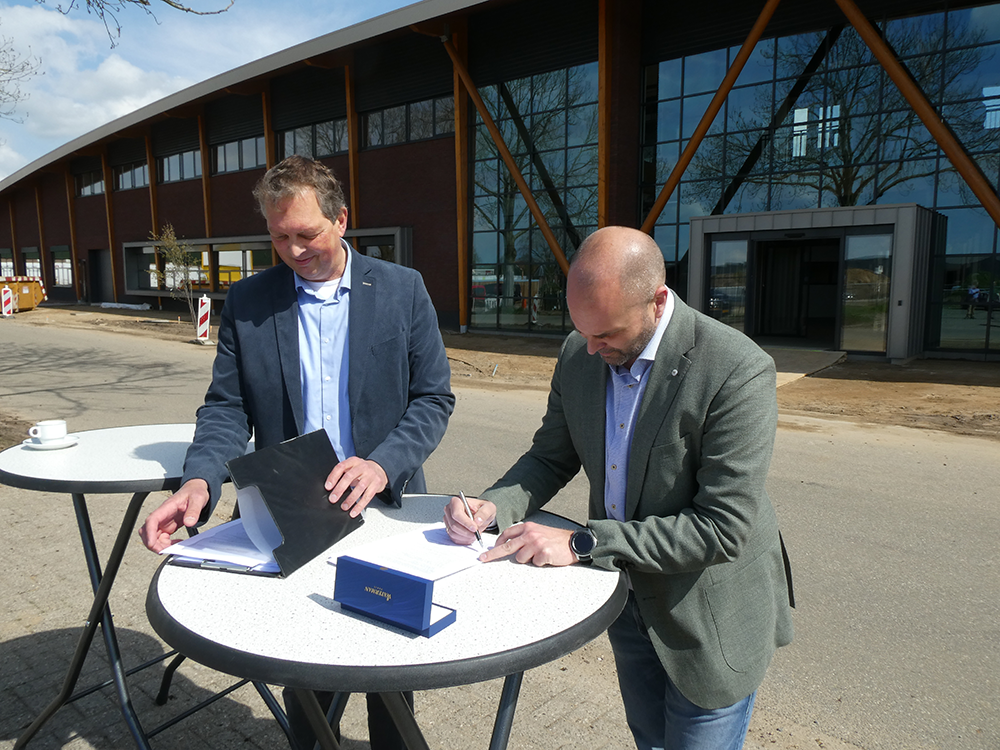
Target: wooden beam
x=505 y=154
x=110 y=213
x=353 y=148
x=14 y=251
x=206 y=182
x=154 y=210
x=74 y=253
x=713 y=109
x=269 y=141
x=951 y=146
x=47 y=280
x=463 y=195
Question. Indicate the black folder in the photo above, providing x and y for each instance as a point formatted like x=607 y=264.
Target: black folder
x=291 y=478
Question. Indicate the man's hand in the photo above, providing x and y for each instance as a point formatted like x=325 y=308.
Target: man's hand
x=460 y=527
x=533 y=543
x=364 y=479
x=181 y=509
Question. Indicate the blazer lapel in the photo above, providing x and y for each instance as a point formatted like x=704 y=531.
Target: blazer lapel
x=665 y=377
x=284 y=298
x=360 y=326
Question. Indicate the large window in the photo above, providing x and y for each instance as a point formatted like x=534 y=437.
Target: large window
x=549 y=123
x=418 y=121
x=316 y=141
x=236 y=156
x=32 y=262
x=90 y=183
x=178 y=167
x=845 y=137
x=62 y=262
x=6 y=262
x=213 y=268
x=129 y=176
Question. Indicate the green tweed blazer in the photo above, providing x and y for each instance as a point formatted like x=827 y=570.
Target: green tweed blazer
x=700 y=538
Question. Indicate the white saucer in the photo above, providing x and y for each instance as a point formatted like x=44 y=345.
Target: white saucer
x=50 y=445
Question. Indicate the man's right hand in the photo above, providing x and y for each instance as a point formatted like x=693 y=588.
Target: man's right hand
x=181 y=509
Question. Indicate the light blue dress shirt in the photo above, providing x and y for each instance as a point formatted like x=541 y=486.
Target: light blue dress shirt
x=626 y=387
x=324 y=357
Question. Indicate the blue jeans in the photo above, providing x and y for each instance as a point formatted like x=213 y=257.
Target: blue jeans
x=658 y=715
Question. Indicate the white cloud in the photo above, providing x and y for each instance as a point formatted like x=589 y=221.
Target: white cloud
x=85 y=82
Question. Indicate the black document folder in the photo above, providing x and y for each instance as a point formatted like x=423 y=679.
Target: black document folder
x=291 y=477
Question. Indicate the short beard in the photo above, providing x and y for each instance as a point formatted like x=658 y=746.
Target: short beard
x=619 y=357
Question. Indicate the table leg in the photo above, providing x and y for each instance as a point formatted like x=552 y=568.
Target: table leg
x=402 y=717
x=100 y=613
x=317 y=720
x=505 y=711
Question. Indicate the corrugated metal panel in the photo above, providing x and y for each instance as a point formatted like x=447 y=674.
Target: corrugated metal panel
x=85 y=164
x=126 y=151
x=234 y=117
x=525 y=38
x=175 y=136
x=404 y=69
x=307 y=96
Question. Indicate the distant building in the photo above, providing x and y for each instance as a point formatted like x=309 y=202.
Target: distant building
x=817 y=211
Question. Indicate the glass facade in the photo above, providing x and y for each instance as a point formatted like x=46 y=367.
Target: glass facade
x=417 y=121
x=549 y=123
x=178 y=167
x=815 y=122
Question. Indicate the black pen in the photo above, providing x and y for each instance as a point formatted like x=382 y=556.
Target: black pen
x=474 y=527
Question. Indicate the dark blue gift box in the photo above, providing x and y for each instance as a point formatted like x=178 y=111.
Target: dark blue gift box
x=398 y=598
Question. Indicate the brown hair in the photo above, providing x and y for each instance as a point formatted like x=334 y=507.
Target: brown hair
x=295 y=175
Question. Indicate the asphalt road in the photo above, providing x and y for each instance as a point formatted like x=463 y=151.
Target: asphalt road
x=892 y=534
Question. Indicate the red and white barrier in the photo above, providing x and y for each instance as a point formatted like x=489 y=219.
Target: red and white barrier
x=7 y=302
x=204 y=312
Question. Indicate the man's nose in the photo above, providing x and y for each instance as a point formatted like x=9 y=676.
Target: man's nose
x=594 y=345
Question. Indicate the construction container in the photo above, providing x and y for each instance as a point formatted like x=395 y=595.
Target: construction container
x=29 y=292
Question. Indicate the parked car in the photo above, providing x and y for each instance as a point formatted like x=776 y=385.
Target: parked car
x=718 y=304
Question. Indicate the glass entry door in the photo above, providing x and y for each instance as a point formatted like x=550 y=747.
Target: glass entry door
x=865 y=304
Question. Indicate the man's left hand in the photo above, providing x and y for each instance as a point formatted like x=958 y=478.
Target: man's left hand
x=533 y=543
x=364 y=479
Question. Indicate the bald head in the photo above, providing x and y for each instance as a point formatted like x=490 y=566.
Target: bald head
x=620 y=258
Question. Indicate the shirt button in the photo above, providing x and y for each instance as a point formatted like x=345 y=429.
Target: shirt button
x=622 y=426
x=327 y=417
x=614 y=466
x=327 y=378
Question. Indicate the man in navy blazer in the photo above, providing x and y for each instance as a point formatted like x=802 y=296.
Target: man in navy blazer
x=332 y=340
x=672 y=416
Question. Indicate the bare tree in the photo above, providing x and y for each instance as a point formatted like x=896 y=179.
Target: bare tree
x=108 y=10
x=850 y=136
x=15 y=69
x=179 y=268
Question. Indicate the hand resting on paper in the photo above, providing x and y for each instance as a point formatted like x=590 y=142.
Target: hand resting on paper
x=460 y=526
x=528 y=542
x=364 y=479
x=182 y=509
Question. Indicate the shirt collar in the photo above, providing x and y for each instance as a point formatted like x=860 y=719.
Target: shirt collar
x=324 y=290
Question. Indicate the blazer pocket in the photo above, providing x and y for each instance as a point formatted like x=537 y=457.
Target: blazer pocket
x=745 y=614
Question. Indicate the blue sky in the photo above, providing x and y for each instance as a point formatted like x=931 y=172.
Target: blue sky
x=85 y=82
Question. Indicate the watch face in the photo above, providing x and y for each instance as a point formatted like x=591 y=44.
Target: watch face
x=582 y=542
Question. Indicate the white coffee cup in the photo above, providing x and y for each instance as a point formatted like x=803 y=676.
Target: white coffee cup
x=49 y=430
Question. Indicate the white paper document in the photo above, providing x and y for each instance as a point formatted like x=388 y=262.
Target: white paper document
x=228 y=544
x=427 y=553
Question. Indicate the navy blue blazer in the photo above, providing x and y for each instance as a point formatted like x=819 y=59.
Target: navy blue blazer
x=398 y=382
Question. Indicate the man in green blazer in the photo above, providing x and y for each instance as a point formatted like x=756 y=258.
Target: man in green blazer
x=672 y=415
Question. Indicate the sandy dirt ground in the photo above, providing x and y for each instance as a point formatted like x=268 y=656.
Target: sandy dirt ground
x=954 y=396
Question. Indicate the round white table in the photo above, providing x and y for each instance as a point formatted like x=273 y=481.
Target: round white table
x=137 y=460
x=290 y=631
